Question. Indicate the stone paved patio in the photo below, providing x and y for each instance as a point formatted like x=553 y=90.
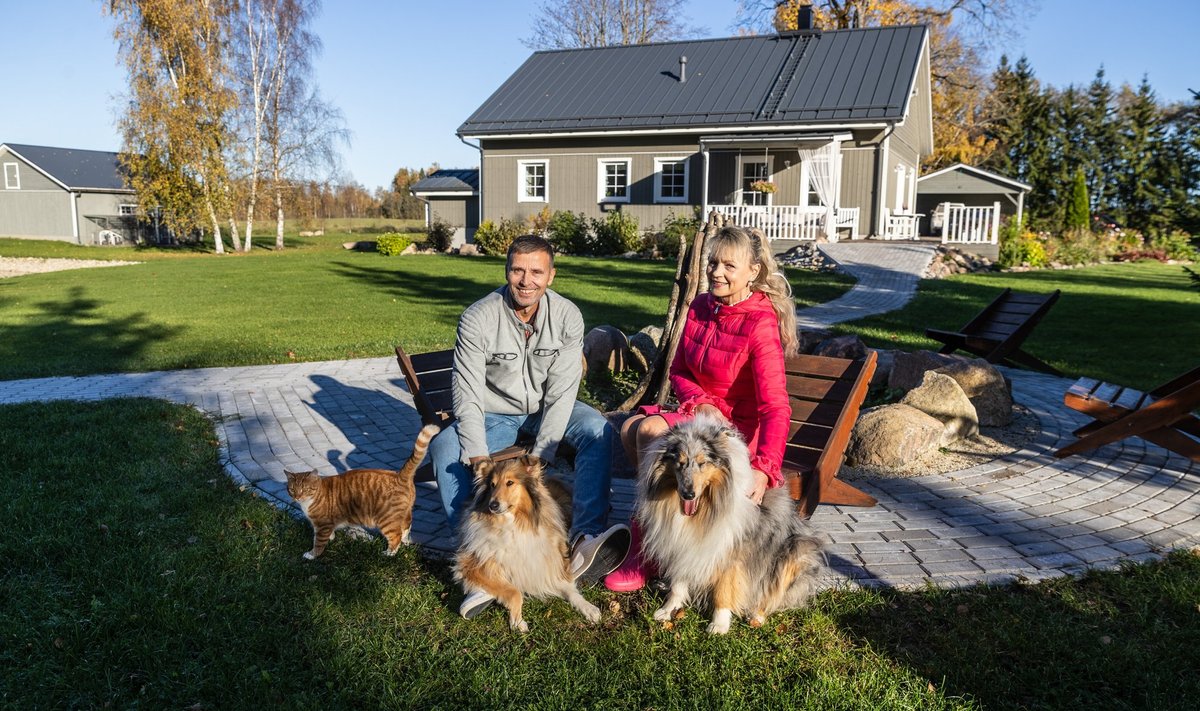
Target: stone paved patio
x=1024 y=515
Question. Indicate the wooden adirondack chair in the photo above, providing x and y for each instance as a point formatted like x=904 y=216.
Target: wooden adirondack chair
x=826 y=394
x=997 y=332
x=1164 y=416
x=428 y=376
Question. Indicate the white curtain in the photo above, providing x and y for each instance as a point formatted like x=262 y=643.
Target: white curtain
x=822 y=174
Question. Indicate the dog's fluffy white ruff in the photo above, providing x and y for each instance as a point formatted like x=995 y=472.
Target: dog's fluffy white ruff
x=753 y=548
x=529 y=558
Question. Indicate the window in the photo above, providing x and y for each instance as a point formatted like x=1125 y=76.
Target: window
x=126 y=209
x=532 y=179
x=670 y=180
x=12 y=179
x=754 y=169
x=614 y=180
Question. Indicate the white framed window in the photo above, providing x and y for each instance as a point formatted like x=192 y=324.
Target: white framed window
x=671 y=180
x=12 y=176
x=533 y=180
x=613 y=179
x=126 y=209
x=750 y=170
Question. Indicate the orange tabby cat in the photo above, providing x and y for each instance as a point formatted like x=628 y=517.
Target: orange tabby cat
x=378 y=498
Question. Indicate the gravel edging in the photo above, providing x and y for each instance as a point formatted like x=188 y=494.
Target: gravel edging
x=19 y=266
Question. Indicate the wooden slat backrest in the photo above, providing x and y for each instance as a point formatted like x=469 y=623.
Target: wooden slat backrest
x=428 y=376
x=1011 y=312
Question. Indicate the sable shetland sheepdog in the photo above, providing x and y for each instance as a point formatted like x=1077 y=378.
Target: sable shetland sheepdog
x=709 y=539
x=514 y=539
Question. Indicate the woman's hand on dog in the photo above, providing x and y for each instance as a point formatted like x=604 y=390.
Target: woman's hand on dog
x=712 y=411
x=760 y=487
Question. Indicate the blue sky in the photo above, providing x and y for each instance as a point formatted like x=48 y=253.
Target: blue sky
x=406 y=74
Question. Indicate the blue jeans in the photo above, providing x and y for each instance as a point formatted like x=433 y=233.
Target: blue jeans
x=587 y=431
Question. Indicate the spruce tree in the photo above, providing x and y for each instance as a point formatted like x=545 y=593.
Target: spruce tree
x=1142 y=147
x=1100 y=144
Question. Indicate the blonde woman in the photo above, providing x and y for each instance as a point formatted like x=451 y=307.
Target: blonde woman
x=729 y=363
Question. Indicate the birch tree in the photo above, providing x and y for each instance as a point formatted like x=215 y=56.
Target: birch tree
x=570 y=24
x=174 y=125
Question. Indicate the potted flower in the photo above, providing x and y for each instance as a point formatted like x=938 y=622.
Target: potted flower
x=762 y=186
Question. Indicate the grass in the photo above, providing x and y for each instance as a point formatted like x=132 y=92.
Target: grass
x=312 y=301
x=137 y=575
x=1131 y=323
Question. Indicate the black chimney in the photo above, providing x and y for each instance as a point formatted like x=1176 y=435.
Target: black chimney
x=804 y=17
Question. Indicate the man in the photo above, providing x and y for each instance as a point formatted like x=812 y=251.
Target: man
x=517 y=367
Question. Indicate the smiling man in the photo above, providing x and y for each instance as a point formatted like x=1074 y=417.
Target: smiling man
x=517 y=367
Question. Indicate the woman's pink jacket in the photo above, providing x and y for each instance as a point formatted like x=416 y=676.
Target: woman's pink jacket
x=731 y=357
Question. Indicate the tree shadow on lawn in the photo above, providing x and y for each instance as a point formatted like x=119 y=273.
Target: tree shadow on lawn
x=1117 y=639
x=71 y=336
x=461 y=292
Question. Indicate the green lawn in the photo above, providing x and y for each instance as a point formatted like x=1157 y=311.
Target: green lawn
x=137 y=575
x=314 y=302
x=1135 y=324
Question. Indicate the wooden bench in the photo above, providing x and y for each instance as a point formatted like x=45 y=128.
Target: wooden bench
x=997 y=332
x=429 y=377
x=1164 y=416
x=826 y=394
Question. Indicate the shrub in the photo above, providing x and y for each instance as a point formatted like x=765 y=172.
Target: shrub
x=495 y=238
x=1078 y=246
x=1078 y=215
x=666 y=241
x=539 y=222
x=1020 y=247
x=1176 y=245
x=617 y=233
x=568 y=232
x=440 y=235
x=392 y=243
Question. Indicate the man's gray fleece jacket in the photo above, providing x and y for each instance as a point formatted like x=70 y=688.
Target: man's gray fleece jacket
x=498 y=370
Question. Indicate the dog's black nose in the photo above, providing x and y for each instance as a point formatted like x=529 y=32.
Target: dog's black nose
x=688 y=494
x=494 y=507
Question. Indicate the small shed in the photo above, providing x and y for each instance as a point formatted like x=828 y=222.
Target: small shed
x=452 y=196
x=970 y=186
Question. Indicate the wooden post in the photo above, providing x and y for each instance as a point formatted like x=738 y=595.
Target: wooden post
x=655 y=386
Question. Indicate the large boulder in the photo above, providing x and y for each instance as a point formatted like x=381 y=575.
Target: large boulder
x=910 y=368
x=849 y=347
x=940 y=396
x=989 y=391
x=885 y=360
x=605 y=347
x=810 y=338
x=643 y=347
x=892 y=435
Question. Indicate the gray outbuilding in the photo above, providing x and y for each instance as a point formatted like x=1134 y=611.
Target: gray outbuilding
x=65 y=194
x=451 y=196
x=962 y=184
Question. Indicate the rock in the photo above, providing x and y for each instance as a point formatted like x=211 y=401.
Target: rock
x=850 y=347
x=987 y=388
x=605 y=347
x=361 y=246
x=811 y=338
x=806 y=256
x=643 y=347
x=940 y=396
x=411 y=249
x=468 y=250
x=891 y=435
x=909 y=368
x=884 y=362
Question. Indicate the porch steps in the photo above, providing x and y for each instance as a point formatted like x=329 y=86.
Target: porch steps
x=783 y=80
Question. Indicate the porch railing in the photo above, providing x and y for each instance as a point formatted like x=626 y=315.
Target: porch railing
x=800 y=222
x=971 y=225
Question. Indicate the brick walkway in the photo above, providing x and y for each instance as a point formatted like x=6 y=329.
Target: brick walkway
x=1026 y=514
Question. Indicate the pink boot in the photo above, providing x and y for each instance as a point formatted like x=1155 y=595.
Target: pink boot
x=635 y=571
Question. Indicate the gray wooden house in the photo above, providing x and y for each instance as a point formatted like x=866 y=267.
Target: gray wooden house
x=64 y=194
x=804 y=134
x=452 y=196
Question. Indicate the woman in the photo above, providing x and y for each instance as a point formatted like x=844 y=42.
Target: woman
x=730 y=364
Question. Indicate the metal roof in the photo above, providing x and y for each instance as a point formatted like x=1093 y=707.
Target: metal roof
x=841 y=76
x=979 y=172
x=74 y=168
x=448 y=180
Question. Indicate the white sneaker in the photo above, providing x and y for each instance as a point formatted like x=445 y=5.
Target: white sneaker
x=474 y=604
x=595 y=555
